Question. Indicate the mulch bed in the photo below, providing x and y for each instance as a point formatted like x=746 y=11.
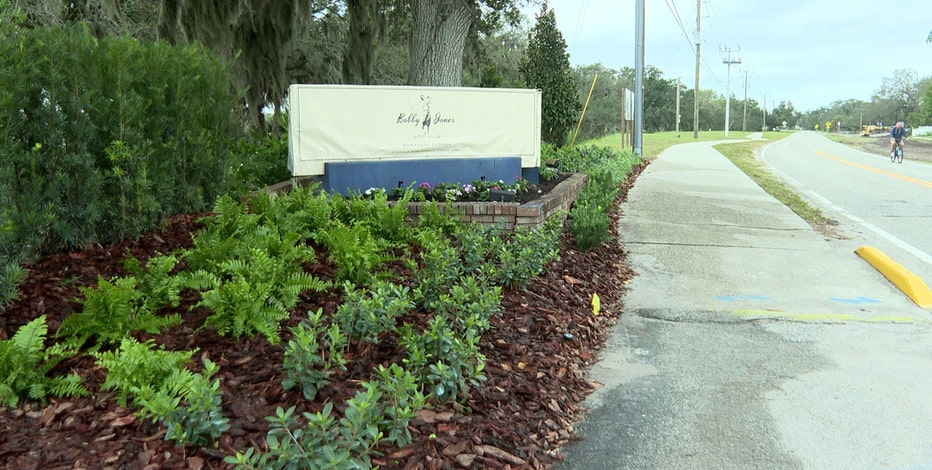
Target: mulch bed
x=537 y=354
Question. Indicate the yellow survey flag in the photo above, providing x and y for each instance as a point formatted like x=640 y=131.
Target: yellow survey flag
x=596 y=304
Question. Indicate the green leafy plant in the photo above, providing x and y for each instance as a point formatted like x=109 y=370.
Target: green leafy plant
x=476 y=244
x=290 y=447
x=437 y=217
x=402 y=399
x=378 y=413
x=525 y=254
x=365 y=314
x=548 y=173
x=308 y=364
x=25 y=363
x=445 y=361
x=304 y=210
x=440 y=267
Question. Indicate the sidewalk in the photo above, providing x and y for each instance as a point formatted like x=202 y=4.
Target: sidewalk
x=748 y=340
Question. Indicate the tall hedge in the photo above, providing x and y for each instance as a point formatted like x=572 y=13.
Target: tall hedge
x=103 y=138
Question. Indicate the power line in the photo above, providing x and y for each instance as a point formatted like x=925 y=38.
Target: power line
x=583 y=9
x=676 y=15
x=671 y=5
x=717 y=18
x=612 y=31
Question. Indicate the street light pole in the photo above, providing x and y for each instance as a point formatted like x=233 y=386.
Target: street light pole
x=638 y=77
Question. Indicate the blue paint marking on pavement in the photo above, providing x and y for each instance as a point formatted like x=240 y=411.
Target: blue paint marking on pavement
x=735 y=298
x=857 y=301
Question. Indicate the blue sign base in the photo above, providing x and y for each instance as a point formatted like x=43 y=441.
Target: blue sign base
x=349 y=178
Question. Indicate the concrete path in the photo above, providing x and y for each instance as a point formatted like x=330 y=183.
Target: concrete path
x=750 y=341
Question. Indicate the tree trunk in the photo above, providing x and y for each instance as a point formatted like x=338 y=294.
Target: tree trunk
x=357 y=59
x=438 y=36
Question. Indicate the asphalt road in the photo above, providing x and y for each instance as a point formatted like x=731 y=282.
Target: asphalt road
x=748 y=340
x=884 y=204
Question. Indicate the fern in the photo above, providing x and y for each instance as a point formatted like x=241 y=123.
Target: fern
x=24 y=363
x=156 y=284
x=240 y=309
x=253 y=295
x=136 y=366
x=163 y=389
x=303 y=210
x=11 y=274
x=355 y=251
x=111 y=312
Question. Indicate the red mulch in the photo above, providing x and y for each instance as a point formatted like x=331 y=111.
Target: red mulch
x=519 y=418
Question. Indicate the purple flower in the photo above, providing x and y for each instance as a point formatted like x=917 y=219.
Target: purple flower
x=425 y=185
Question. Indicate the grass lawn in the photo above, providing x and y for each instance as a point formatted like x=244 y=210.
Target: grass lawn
x=657 y=142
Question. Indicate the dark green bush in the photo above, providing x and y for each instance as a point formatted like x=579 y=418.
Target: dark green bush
x=103 y=138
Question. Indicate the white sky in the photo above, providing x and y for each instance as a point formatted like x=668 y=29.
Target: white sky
x=811 y=53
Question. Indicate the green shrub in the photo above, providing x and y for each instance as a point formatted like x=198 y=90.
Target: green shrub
x=445 y=361
x=380 y=412
x=366 y=314
x=523 y=255
x=103 y=138
x=260 y=159
x=312 y=355
x=590 y=216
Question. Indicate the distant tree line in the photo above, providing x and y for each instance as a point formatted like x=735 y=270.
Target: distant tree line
x=484 y=43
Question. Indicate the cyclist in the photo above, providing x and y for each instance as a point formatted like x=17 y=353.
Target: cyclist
x=896 y=136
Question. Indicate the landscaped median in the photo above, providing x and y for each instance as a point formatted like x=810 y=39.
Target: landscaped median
x=911 y=285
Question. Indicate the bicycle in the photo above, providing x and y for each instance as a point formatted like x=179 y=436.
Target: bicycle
x=897 y=153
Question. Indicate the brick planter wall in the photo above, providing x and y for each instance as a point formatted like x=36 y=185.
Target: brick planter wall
x=510 y=214
x=514 y=215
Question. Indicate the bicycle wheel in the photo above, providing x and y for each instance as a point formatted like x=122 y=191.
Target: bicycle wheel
x=893 y=156
x=899 y=154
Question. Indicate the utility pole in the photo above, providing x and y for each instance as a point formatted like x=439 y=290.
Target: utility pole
x=638 y=77
x=763 y=109
x=698 y=47
x=744 y=120
x=677 y=107
x=729 y=59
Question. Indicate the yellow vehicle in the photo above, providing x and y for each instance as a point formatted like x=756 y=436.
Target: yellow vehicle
x=866 y=130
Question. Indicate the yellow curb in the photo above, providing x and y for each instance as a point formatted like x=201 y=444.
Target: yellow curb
x=911 y=285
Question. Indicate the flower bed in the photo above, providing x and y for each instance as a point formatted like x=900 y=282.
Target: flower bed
x=510 y=215
x=513 y=215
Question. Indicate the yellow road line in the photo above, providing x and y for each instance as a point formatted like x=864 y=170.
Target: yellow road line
x=891 y=174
